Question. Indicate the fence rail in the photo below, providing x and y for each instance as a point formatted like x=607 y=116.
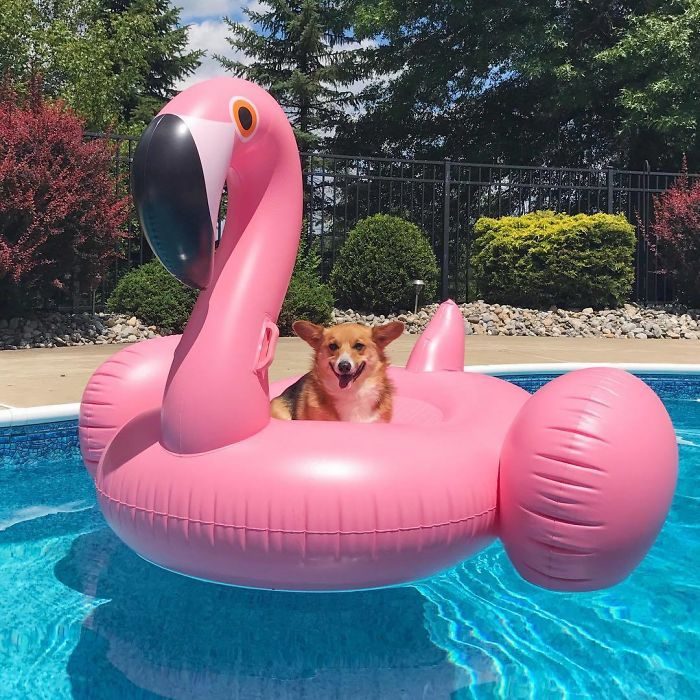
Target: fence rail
x=445 y=198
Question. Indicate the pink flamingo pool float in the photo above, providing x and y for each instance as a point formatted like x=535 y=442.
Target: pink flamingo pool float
x=194 y=476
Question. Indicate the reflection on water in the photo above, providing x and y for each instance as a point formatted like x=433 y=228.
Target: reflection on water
x=162 y=634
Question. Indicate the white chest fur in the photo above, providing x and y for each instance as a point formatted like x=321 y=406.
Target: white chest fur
x=359 y=406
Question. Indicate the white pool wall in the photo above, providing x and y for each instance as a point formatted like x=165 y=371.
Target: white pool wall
x=69 y=411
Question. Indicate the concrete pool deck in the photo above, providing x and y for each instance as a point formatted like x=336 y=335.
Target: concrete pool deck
x=58 y=375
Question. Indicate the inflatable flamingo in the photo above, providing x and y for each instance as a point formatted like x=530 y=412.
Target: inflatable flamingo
x=193 y=474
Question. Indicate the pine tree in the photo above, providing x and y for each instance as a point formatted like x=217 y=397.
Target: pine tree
x=300 y=51
x=165 y=58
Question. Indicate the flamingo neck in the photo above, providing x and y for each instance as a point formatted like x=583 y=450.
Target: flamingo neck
x=217 y=390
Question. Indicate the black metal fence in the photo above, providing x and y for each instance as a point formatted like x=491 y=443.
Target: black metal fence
x=133 y=248
x=446 y=199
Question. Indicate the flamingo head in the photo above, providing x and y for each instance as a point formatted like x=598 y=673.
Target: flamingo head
x=219 y=130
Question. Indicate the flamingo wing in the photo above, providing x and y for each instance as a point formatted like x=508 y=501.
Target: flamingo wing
x=130 y=382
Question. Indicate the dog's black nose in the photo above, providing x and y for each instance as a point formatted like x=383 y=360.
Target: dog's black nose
x=344 y=367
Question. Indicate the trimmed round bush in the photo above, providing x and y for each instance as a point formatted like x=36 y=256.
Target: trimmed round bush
x=545 y=258
x=153 y=295
x=307 y=297
x=377 y=263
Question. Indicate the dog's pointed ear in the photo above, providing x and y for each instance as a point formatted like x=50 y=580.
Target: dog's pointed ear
x=383 y=335
x=309 y=332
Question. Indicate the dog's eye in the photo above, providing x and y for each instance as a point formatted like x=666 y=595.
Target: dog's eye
x=359 y=347
x=333 y=347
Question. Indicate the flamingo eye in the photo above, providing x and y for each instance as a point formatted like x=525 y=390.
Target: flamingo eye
x=245 y=116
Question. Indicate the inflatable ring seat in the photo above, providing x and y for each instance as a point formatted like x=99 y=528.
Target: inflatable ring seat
x=305 y=505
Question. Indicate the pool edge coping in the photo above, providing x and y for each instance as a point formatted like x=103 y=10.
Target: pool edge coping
x=34 y=415
x=56 y=413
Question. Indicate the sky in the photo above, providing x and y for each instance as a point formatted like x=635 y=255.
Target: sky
x=207 y=31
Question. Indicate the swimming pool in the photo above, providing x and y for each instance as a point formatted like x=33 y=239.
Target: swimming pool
x=82 y=616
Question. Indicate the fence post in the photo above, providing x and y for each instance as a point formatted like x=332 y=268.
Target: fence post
x=644 y=215
x=611 y=174
x=446 y=235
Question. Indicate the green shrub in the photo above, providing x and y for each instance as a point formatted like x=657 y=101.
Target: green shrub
x=307 y=297
x=153 y=295
x=545 y=258
x=375 y=266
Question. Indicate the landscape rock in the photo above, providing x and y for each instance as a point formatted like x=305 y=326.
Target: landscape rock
x=52 y=329
x=629 y=321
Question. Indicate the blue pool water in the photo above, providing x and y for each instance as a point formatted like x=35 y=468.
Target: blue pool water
x=83 y=617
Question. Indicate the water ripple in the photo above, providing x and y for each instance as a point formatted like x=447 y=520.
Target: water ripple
x=81 y=616
x=636 y=640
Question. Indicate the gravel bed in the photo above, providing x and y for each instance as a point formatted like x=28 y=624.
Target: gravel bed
x=47 y=330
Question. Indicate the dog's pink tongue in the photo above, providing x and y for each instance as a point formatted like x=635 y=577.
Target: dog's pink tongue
x=344 y=380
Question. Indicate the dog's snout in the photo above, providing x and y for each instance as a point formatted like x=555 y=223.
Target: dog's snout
x=344 y=367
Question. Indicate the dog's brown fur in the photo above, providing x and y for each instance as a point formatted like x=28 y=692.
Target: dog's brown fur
x=363 y=395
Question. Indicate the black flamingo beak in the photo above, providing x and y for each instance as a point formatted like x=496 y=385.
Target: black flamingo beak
x=169 y=191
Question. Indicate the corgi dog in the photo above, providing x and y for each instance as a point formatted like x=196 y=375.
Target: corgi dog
x=348 y=379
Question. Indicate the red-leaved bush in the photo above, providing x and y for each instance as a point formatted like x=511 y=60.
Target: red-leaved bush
x=60 y=216
x=677 y=230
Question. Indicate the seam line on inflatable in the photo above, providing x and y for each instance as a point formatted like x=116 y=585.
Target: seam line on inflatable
x=556 y=578
x=194 y=521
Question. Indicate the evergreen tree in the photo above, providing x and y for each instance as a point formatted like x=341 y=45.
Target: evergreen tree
x=165 y=59
x=299 y=50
